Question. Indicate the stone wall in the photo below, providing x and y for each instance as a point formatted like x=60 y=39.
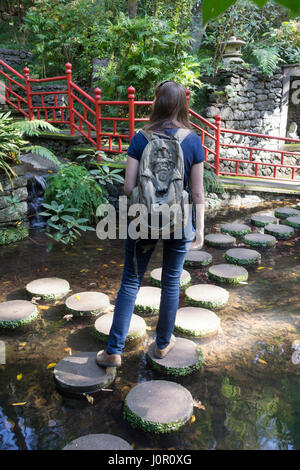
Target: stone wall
x=13 y=225
x=16 y=58
x=247 y=101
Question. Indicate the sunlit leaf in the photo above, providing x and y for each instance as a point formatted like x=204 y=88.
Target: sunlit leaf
x=89 y=398
x=19 y=376
x=19 y=404
x=193 y=419
x=51 y=365
x=77 y=297
x=44 y=307
x=262 y=361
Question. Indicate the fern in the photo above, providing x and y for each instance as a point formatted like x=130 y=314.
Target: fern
x=210 y=181
x=267 y=59
x=34 y=127
x=43 y=152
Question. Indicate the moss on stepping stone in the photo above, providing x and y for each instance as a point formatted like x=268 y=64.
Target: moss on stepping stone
x=198 y=258
x=228 y=273
x=137 y=327
x=279 y=231
x=155 y=277
x=293 y=221
x=219 y=240
x=148 y=300
x=158 y=406
x=207 y=295
x=259 y=240
x=184 y=359
x=242 y=256
x=235 y=229
x=16 y=313
x=49 y=288
x=196 y=322
x=98 y=442
x=79 y=373
x=263 y=220
x=84 y=303
x=284 y=212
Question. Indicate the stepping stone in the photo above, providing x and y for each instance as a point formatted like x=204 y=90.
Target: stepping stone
x=235 y=229
x=263 y=220
x=284 y=212
x=185 y=358
x=79 y=373
x=155 y=277
x=298 y=206
x=219 y=240
x=198 y=258
x=207 y=295
x=89 y=302
x=228 y=273
x=137 y=327
x=293 y=221
x=148 y=300
x=196 y=322
x=15 y=313
x=279 y=231
x=98 y=442
x=259 y=240
x=242 y=256
x=49 y=288
x=158 y=406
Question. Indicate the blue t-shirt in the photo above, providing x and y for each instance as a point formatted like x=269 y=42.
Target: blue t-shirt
x=191 y=146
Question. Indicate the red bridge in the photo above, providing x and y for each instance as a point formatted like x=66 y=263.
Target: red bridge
x=89 y=116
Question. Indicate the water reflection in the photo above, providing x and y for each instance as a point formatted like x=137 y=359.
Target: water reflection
x=248 y=387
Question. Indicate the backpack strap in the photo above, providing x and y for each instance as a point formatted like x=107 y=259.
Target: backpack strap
x=154 y=135
x=181 y=134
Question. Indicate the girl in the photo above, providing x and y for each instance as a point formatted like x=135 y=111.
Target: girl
x=169 y=113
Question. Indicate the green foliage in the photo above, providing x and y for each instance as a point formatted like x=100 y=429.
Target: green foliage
x=12 y=235
x=73 y=186
x=267 y=59
x=210 y=181
x=142 y=53
x=61 y=225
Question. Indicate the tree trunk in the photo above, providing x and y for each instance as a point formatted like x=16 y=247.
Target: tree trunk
x=132 y=8
x=197 y=28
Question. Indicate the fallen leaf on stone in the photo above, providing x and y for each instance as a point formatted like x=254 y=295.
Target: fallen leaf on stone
x=51 y=365
x=44 y=307
x=261 y=267
x=19 y=376
x=77 y=297
x=193 y=419
x=19 y=404
x=89 y=398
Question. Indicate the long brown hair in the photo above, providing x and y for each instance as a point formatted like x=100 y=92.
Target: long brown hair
x=169 y=108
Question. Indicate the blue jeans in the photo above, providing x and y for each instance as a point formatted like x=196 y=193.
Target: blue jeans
x=174 y=252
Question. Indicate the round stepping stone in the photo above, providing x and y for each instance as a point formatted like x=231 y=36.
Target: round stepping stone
x=235 y=229
x=228 y=273
x=15 y=313
x=98 y=442
x=87 y=303
x=196 y=322
x=242 y=256
x=279 y=231
x=137 y=327
x=284 y=212
x=219 y=240
x=184 y=359
x=263 y=220
x=259 y=240
x=49 y=288
x=148 y=300
x=79 y=373
x=198 y=258
x=207 y=295
x=158 y=406
x=293 y=221
x=155 y=277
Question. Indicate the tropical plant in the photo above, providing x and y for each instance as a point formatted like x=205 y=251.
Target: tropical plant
x=12 y=142
x=62 y=226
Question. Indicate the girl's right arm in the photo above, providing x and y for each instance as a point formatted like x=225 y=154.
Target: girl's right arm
x=197 y=192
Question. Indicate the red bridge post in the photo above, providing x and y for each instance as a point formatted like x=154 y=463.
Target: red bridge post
x=70 y=98
x=131 y=92
x=218 y=120
x=28 y=92
x=97 y=94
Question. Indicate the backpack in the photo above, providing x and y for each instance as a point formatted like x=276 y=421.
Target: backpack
x=160 y=183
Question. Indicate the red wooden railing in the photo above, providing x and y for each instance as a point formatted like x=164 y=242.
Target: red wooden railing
x=88 y=116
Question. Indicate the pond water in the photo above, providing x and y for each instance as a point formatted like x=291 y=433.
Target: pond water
x=248 y=387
